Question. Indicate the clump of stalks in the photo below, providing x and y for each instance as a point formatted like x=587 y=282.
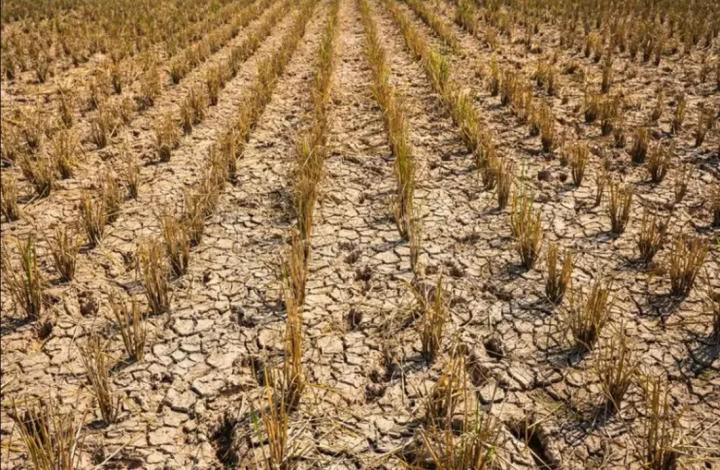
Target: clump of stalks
x=93 y=218
x=193 y=109
x=63 y=151
x=466 y=16
x=432 y=19
x=167 y=138
x=619 y=206
x=658 y=162
x=8 y=198
x=526 y=228
x=471 y=443
x=615 y=369
x=678 y=115
x=213 y=83
x=97 y=367
x=154 y=275
x=275 y=419
x=52 y=439
x=662 y=430
x=601 y=180
x=607 y=75
x=131 y=173
x=684 y=262
x=177 y=244
x=504 y=177
x=111 y=196
x=680 y=183
x=64 y=248
x=557 y=281
x=579 y=155
x=447 y=393
x=293 y=376
x=640 y=145
x=25 y=282
x=66 y=107
x=651 y=237
x=587 y=318
x=132 y=328
x=40 y=172
x=705 y=122
x=150 y=87
x=489 y=169
x=433 y=308
x=546 y=124
x=395 y=124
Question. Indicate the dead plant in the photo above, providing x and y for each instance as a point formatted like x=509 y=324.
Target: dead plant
x=658 y=162
x=680 y=183
x=587 y=318
x=111 y=196
x=504 y=174
x=9 y=197
x=167 y=137
x=640 y=145
x=651 y=237
x=434 y=317
x=662 y=431
x=177 y=244
x=97 y=368
x=686 y=257
x=578 y=161
x=154 y=275
x=619 y=206
x=526 y=228
x=616 y=368
x=64 y=248
x=25 y=282
x=557 y=282
x=40 y=172
x=132 y=327
x=93 y=218
x=679 y=115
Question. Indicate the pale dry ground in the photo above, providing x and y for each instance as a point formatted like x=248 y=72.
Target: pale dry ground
x=190 y=402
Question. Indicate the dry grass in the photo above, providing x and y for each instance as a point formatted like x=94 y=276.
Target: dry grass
x=25 y=282
x=687 y=256
x=447 y=394
x=93 y=218
x=132 y=173
x=651 y=237
x=658 y=162
x=66 y=107
x=619 y=206
x=293 y=383
x=154 y=275
x=110 y=196
x=679 y=114
x=662 y=432
x=275 y=421
x=579 y=155
x=601 y=181
x=640 y=145
x=616 y=367
x=167 y=138
x=557 y=281
x=63 y=151
x=607 y=75
x=434 y=316
x=40 y=172
x=587 y=318
x=680 y=183
x=504 y=173
x=526 y=229
x=8 y=198
x=51 y=439
x=64 y=248
x=177 y=243
x=132 y=327
x=97 y=367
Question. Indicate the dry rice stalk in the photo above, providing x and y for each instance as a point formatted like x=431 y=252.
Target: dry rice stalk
x=95 y=361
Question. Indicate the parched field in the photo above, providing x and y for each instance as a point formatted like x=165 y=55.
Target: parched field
x=360 y=234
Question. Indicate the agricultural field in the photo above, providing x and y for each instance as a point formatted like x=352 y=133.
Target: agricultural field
x=444 y=234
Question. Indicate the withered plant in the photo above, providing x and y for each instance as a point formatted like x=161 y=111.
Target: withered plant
x=132 y=173
x=662 y=431
x=447 y=394
x=686 y=257
x=40 y=172
x=52 y=439
x=93 y=218
x=579 y=155
x=658 y=162
x=154 y=275
x=64 y=247
x=9 y=197
x=640 y=145
x=586 y=318
x=167 y=137
x=526 y=228
x=557 y=280
x=434 y=316
x=25 y=282
x=293 y=380
x=97 y=367
x=616 y=367
x=63 y=150
x=177 y=244
x=651 y=237
x=619 y=206
x=679 y=114
x=680 y=183
x=132 y=327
